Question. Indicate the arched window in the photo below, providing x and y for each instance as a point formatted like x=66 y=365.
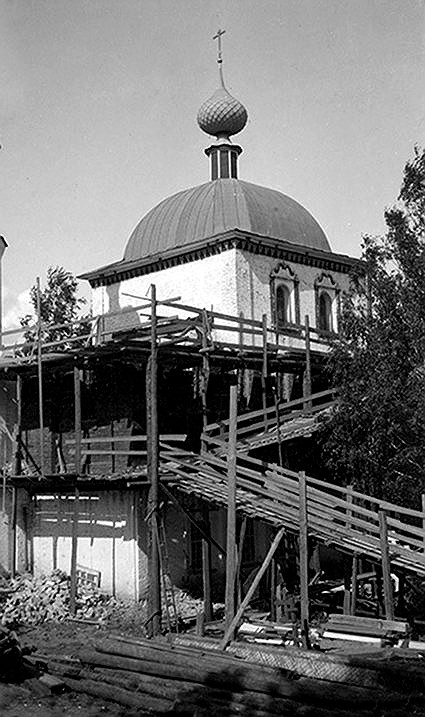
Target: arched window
x=283 y=304
x=325 y=312
x=284 y=296
x=327 y=294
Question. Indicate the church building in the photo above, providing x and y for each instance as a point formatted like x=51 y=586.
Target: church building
x=228 y=245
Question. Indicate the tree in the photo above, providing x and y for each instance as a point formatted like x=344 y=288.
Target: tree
x=59 y=305
x=376 y=438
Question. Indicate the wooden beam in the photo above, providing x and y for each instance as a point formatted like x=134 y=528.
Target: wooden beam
x=354 y=573
x=242 y=534
x=245 y=602
x=386 y=567
x=152 y=446
x=231 y=510
x=307 y=372
x=423 y=520
x=75 y=518
x=74 y=552
x=77 y=419
x=18 y=428
x=206 y=569
x=14 y=511
x=303 y=547
x=264 y=371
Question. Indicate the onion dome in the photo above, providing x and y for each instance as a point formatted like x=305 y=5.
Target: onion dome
x=222 y=115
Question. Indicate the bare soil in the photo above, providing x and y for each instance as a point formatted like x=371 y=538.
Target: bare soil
x=19 y=700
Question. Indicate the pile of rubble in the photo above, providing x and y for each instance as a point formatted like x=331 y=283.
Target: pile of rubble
x=28 y=600
x=32 y=600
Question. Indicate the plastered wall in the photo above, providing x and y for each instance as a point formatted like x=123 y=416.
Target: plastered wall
x=206 y=283
x=232 y=282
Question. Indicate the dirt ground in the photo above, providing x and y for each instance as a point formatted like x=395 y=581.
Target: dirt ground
x=19 y=700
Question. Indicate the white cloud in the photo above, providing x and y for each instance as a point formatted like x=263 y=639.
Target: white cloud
x=14 y=308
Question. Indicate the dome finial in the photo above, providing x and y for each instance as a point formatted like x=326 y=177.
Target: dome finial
x=219 y=55
x=221 y=116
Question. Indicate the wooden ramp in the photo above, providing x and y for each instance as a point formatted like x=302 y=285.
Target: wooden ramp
x=283 y=422
x=340 y=516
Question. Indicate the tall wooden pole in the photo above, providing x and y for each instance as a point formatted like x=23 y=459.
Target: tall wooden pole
x=17 y=471
x=303 y=539
x=231 y=562
x=76 y=504
x=206 y=546
x=40 y=376
x=152 y=436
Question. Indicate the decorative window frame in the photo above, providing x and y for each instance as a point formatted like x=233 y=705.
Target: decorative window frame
x=282 y=274
x=325 y=283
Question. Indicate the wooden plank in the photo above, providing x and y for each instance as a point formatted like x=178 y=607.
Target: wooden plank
x=178 y=437
x=245 y=602
x=283 y=405
x=231 y=511
x=386 y=567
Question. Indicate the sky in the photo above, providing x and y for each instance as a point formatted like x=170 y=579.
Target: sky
x=98 y=104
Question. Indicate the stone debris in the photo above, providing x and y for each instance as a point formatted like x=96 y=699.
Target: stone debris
x=28 y=600
x=34 y=600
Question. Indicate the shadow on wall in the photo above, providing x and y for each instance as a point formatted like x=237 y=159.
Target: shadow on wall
x=110 y=528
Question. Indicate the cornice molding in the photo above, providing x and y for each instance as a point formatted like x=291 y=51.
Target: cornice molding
x=235 y=239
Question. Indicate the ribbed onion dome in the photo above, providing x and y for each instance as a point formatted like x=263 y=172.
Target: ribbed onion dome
x=222 y=114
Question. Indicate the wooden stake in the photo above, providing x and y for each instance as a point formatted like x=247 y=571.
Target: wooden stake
x=40 y=376
x=152 y=443
x=231 y=510
x=386 y=567
x=303 y=540
x=245 y=602
x=354 y=572
x=307 y=373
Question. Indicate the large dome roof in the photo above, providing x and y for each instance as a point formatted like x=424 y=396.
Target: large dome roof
x=215 y=207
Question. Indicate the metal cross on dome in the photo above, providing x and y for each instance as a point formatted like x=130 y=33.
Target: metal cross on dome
x=218 y=37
